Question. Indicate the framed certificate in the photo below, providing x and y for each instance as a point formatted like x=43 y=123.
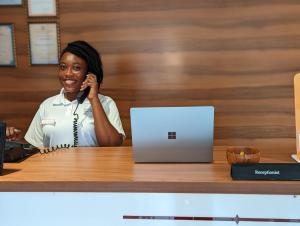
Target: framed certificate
x=43 y=43
x=40 y=8
x=10 y=2
x=7 y=45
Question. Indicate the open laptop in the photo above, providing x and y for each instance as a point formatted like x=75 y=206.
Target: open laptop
x=172 y=134
x=2 y=144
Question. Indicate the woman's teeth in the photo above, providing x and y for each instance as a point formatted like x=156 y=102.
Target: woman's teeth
x=69 y=82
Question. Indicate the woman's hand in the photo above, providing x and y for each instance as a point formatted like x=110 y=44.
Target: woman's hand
x=91 y=81
x=12 y=133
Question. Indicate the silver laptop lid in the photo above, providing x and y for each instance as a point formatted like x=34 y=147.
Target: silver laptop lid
x=172 y=134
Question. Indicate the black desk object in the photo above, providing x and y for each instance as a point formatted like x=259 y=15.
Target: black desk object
x=2 y=144
x=266 y=171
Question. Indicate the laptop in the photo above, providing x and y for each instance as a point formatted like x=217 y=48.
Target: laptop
x=172 y=134
x=2 y=144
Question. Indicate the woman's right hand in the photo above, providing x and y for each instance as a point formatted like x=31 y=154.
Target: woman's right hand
x=12 y=133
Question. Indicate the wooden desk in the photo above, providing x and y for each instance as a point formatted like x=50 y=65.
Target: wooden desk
x=113 y=170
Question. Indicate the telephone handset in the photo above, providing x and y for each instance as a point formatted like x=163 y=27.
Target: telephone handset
x=80 y=98
x=82 y=95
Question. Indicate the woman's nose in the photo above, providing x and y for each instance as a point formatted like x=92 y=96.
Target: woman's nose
x=68 y=71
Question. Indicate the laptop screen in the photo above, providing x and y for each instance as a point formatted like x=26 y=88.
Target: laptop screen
x=2 y=144
x=172 y=134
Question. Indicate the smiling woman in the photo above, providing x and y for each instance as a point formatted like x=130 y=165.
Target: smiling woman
x=72 y=72
x=95 y=122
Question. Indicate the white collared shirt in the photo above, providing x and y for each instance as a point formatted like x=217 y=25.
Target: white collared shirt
x=52 y=125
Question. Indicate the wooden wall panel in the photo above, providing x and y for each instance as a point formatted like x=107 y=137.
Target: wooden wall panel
x=239 y=56
x=22 y=88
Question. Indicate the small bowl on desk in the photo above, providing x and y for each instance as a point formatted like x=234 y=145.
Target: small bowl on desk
x=242 y=155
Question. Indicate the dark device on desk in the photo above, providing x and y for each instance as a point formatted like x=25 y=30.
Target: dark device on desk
x=16 y=151
x=2 y=144
x=12 y=151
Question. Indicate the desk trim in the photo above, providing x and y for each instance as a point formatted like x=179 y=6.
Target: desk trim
x=253 y=187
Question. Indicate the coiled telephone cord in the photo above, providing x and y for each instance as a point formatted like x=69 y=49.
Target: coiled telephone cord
x=75 y=134
x=75 y=127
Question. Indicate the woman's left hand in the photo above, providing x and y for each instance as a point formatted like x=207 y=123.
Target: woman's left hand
x=91 y=81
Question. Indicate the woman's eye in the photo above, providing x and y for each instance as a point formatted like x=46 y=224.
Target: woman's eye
x=62 y=67
x=76 y=68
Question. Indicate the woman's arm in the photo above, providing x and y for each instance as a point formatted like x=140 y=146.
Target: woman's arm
x=106 y=133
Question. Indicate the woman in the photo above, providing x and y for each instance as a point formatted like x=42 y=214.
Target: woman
x=61 y=120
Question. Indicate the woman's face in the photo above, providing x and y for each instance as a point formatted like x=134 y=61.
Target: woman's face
x=71 y=73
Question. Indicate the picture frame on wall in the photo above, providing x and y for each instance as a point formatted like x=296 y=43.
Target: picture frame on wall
x=43 y=43
x=42 y=8
x=7 y=45
x=11 y=2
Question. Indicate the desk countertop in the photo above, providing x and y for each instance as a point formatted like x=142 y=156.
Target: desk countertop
x=113 y=170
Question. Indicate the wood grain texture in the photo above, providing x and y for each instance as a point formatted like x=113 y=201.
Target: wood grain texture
x=239 y=56
x=113 y=170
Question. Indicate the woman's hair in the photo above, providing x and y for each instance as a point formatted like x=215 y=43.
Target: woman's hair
x=88 y=53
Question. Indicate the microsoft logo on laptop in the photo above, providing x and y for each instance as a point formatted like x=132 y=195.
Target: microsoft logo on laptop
x=172 y=135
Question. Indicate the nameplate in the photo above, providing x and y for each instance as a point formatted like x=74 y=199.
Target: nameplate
x=266 y=171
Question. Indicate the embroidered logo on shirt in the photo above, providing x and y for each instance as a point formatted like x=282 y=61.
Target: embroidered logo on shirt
x=48 y=122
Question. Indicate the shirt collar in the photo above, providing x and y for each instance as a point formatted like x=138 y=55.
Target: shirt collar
x=61 y=100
